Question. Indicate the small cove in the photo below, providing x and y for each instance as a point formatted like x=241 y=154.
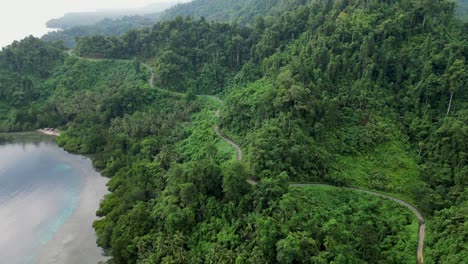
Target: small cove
x=48 y=199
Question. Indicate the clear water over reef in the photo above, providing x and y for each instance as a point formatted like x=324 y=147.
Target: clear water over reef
x=42 y=189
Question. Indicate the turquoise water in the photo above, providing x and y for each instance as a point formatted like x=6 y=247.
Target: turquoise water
x=40 y=186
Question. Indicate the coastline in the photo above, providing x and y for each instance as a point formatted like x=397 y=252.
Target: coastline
x=75 y=240
x=49 y=132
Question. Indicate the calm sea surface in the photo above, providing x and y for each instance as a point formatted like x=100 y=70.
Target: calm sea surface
x=39 y=189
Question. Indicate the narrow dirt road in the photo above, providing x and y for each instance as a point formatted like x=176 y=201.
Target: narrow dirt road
x=151 y=80
x=217 y=129
x=232 y=143
x=422 y=225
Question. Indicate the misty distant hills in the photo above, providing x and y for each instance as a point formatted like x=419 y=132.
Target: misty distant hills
x=73 y=19
x=462 y=9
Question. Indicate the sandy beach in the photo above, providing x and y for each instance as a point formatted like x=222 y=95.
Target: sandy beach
x=75 y=241
x=50 y=132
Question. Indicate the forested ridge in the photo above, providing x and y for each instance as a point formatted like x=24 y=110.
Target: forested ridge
x=241 y=12
x=369 y=94
x=245 y=11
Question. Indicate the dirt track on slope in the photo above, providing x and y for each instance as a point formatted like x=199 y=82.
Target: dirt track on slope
x=422 y=226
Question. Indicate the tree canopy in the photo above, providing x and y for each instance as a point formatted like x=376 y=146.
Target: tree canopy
x=362 y=93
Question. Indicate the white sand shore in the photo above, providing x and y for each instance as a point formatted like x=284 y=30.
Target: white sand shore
x=75 y=241
x=50 y=132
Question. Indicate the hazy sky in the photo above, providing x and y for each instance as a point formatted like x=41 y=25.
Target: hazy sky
x=21 y=18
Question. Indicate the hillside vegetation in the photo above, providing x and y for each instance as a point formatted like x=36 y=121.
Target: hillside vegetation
x=370 y=94
x=241 y=12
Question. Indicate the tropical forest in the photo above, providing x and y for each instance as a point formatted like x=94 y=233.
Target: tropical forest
x=263 y=131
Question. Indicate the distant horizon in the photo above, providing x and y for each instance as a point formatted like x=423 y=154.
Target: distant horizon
x=23 y=22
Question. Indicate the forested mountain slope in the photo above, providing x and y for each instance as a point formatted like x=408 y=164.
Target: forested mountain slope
x=242 y=11
x=24 y=69
x=363 y=93
x=359 y=93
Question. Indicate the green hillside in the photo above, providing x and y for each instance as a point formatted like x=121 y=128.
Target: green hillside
x=202 y=126
x=242 y=12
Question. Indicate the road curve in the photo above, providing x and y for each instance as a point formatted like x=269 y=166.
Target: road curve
x=151 y=80
x=232 y=143
x=422 y=225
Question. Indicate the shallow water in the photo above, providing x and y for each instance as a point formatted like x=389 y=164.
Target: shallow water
x=40 y=188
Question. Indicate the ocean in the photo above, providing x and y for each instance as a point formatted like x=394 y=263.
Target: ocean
x=41 y=186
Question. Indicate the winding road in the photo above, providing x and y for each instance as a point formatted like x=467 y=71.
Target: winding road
x=422 y=225
x=223 y=137
x=151 y=80
x=217 y=129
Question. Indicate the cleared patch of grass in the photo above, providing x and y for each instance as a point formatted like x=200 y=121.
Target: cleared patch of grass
x=390 y=168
